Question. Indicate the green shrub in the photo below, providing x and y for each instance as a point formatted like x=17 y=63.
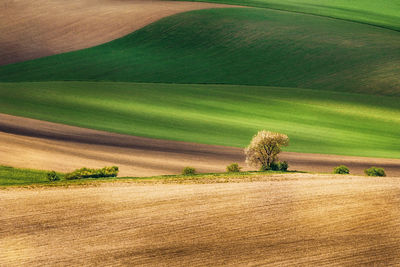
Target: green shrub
x=276 y=166
x=283 y=166
x=234 y=167
x=92 y=173
x=52 y=176
x=374 y=171
x=189 y=171
x=341 y=170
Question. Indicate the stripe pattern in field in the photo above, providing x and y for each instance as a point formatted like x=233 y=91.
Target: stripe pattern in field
x=29 y=143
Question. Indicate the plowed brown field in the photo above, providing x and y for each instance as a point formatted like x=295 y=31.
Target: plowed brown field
x=28 y=143
x=33 y=29
x=306 y=220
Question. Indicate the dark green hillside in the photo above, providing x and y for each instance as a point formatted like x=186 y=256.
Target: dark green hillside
x=316 y=121
x=236 y=46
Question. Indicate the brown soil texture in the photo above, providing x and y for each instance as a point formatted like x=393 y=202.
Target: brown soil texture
x=39 y=28
x=29 y=143
x=299 y=221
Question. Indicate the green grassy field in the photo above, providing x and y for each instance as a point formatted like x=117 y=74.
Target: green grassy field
x=236 y=46
x=316 y=121
x=15 y=176
x=384 y=13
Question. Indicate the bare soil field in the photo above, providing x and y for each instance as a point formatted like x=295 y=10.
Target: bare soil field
x=33 y=29
x=28 y=143
x=303 y=220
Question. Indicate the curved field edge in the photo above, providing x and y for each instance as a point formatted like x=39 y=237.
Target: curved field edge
x=316 y=121
x=35 y=29
x=236 y=46
x=383 y=14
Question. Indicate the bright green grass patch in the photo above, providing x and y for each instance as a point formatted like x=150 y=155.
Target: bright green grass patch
x=383 y=13
x=316 y=121
x=16 y=176
x=26 y=177
x=236 y=46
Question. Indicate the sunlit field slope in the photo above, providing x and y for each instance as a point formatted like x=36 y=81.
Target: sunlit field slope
x=316 y=121
x=383 y=13
x=236 y=46
x=14 y=176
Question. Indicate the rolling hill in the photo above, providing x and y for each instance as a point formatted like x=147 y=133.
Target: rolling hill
x=131 y=85
x=34 y=29
x=236 y=46
x=316 y=121
x=210 y=77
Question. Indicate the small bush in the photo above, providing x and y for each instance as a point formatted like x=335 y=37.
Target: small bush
x=283 y=166
x=276 y=166
x=92 y=173
x=341 y=170
x=189 y=171
x=374 y=171
x=234 y=167
x=52 y=176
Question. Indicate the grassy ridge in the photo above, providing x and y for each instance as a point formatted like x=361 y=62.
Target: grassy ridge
x=236 y=46
x=316 y=121
x=383 y=13
x=10 y=176
x=16 y=176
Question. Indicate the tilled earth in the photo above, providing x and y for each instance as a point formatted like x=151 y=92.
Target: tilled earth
x=296 y=219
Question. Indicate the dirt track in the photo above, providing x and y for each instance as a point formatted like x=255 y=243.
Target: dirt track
x=33 y=29
x=308 y=221
x=37 y=144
